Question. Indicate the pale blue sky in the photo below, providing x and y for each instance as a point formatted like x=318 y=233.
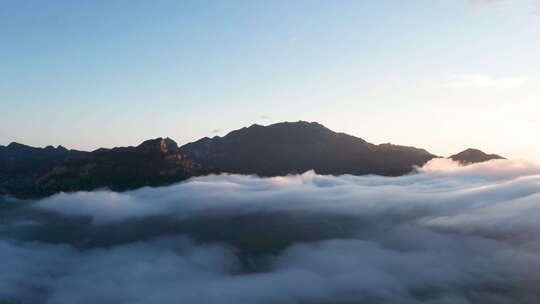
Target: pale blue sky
x=443 y=75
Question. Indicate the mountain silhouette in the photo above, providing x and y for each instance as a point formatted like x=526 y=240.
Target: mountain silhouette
x=155 y=162
x=296 y=147
x=22 y=165
x=471 y=156
x=274 y=150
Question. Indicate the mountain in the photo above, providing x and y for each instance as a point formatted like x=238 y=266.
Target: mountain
x=155 y=162
x=471 y=156
x=278 y=149
x=295 y=147
x=22 y=165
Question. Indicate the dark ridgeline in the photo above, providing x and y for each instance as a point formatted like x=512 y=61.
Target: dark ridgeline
x=21 y=166
x=278 y=149
x=295 y=147
x=471 y=156
x=155 y=162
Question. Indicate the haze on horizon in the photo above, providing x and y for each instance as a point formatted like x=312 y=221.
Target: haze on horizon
x=444 y=75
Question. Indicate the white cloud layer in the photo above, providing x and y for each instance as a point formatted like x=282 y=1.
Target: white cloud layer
x=448 y=234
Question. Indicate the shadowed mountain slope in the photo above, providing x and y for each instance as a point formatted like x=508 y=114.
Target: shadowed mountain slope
x=278 y=149
x=155 y=162
x=21 y=165
x=295 y=147
x=471 y=156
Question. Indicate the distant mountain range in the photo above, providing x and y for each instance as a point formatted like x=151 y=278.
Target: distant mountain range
x=470 y=156
x=296 y=147
x=278 y=149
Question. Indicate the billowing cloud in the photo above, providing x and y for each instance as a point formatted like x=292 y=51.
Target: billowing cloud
x=446 y=234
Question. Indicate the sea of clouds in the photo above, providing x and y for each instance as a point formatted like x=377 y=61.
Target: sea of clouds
x=445 y=234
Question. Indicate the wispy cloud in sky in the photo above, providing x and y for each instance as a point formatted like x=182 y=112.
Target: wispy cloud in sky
x=485 y=81
x=484 y=2
x=537 y=7
x=535 y=3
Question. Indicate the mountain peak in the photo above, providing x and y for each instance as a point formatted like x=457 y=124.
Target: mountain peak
x=471 y=156
x=164 y=145
x=300 y=123
x=295 y=147
x=16 y=145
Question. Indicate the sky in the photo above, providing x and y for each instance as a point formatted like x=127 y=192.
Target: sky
x=443 y=75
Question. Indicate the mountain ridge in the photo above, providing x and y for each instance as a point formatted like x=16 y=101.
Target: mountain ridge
x=277 y=149
x=295 y=147
x=470 y=155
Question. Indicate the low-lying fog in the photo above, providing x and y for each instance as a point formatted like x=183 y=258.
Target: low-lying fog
x=447 y=234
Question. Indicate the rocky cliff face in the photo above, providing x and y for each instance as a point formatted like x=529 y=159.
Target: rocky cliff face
x=155 y=162
x=158 y=145
x=295 y=147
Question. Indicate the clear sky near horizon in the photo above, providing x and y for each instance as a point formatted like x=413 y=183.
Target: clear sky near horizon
x=442 y=75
